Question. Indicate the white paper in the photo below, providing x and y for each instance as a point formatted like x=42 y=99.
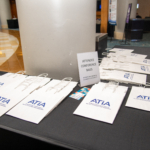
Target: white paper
x=88 y=68
x=102 y=103
x=41 y=102
x=139 y=98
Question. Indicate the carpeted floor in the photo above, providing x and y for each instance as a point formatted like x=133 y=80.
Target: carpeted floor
x=145 y=42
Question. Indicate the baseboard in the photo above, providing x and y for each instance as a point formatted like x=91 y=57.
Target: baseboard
x=118 y=35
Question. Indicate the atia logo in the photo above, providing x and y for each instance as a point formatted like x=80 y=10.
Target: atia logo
x=38 y=103
x=1 y=83
x=143 y=97
x=145 y=61
x=100 y=102
x=127 y=75
x=4 y=100
x=143 y=68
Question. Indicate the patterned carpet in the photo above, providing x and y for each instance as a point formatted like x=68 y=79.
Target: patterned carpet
x=145 y=42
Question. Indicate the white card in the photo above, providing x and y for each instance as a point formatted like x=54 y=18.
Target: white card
x=88 y=68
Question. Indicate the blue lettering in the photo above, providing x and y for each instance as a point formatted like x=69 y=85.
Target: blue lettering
x=6 y=101
x=1 y=83
x=94 y=100
x=107 y=103
x=127 y=75
x=36 y=102
x=43 y=104
x=2 y=98
x=140 y=97
x=99 y=101
x=32 y=102
x=143 y=68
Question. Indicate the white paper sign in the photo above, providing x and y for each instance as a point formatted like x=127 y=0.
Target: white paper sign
x=88 y=68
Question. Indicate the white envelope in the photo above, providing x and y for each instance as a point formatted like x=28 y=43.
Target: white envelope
x=139 y=98
x=102 y=103
x=41 y=102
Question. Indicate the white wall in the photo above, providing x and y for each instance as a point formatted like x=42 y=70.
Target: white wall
x=5 y=12
x=122 y=6
x=53 y=32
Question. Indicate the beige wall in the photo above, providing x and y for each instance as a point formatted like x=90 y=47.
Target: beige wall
x=5 y=13
x=144 y=8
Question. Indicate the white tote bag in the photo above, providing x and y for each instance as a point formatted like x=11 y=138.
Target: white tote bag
x=123 y=77
x=10 y=98
x=102 y=103
x=41 y=102
x=139 y=98
x=10 y=78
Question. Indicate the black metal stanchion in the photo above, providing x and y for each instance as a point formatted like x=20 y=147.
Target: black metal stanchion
x=125 y=40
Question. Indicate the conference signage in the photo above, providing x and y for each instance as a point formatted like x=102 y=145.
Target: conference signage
x=112 y=12
x=88 y=68
x=128 y=13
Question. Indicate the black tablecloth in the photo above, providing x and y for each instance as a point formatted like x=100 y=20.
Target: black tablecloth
x=130 y=130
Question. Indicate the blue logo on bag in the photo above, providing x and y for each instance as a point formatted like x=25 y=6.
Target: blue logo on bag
x=143 y=68
x=38 y=103
x=145 y=61
x=1 y=83
x=127 y=75
x=143 y=97
x=99 y=103
x=4 y=100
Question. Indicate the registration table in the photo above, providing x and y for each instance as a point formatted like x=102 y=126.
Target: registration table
x=130 y=130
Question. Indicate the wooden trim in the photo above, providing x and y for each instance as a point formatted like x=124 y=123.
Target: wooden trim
x=13 y=8
x=98 y=14
x=104 y=16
